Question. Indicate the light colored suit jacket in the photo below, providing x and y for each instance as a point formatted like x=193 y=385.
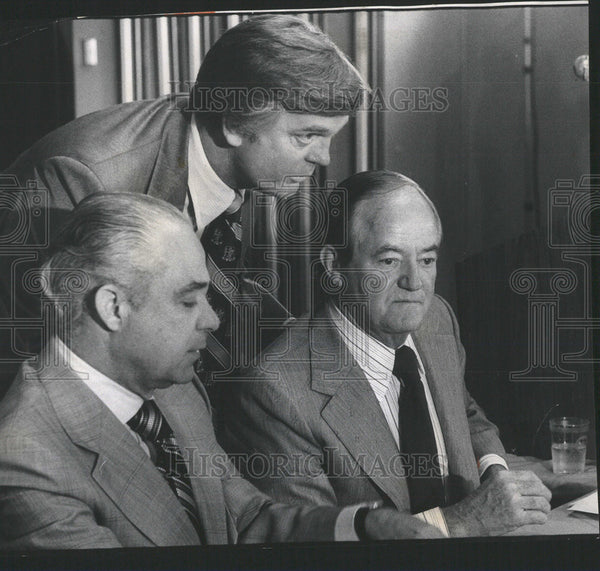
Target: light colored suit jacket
x=132 y=147
x=309 y=406
x=72 y=476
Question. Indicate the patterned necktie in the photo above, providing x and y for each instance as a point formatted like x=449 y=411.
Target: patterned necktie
x=417 y=438
x=154 y=429
x=222 y=241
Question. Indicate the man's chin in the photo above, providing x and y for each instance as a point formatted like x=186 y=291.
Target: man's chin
x=286 y=185
x=280 y=189
x=185 y=379
x=410 y=320
x=184 y=376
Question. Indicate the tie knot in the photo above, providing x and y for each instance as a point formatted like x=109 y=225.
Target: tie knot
x=406 y=366
x=148 y=422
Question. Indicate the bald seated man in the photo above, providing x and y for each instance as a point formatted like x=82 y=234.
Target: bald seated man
x=365 y=399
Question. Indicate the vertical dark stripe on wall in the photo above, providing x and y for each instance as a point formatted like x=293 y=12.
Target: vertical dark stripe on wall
x=149 y=59
x=175 y=36
x=361 y=59
x=137 y=58
x=184 y=50
x=376 y=80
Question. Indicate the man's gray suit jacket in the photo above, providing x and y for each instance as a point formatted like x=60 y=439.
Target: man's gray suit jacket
x=132 y=147
x=73 y=476
x=309 y=412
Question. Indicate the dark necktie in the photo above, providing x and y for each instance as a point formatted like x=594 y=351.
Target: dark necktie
x=417 y=439
x=222 y=242
x=154 y=429
x=222 y=239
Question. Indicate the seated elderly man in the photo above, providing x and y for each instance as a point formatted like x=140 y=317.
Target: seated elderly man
x=366 y=400
x=106 y=439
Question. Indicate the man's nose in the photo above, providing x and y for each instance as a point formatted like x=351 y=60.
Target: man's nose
x=410 y=277
x=319 y=153
x=208 y=319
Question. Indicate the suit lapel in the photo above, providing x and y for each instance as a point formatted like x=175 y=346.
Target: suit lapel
x=170 y=173
x=122 y=468
x=438 y=353
x=353 y=412
x=190 y=420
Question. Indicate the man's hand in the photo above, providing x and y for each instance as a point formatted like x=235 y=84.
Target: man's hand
x=386 y=523
x=564 y=487
x=505 y=501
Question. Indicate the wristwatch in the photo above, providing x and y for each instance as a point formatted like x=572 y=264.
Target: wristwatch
x=360 y=517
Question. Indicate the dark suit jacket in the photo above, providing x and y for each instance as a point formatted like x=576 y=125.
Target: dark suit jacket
x=72 y=476
x=309 y=406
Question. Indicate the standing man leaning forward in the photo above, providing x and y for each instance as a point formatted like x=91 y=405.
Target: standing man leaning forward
x=106 y=438
x=366 y=400
x=269 y=97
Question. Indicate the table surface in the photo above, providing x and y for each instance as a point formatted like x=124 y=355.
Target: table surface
x=561 y=521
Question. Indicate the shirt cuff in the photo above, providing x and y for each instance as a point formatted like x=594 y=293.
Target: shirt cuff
x=344 y=524
x=489 y=460
x=436 y=518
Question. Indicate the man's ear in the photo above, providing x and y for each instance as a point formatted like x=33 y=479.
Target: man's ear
x=329 y=259
x=231 y=132
x=112 y=306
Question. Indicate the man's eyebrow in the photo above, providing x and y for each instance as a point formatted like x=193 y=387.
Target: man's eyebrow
x=392 y=248
x=190 y=288
x=313 y=129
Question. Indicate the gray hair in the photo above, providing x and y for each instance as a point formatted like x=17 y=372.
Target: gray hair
x=107 y=238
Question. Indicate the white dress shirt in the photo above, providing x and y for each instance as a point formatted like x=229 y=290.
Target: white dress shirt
x=209 y=195
x=377 y=362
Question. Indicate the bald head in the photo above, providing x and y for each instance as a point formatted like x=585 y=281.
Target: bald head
x=381 y=210
x=367 y=201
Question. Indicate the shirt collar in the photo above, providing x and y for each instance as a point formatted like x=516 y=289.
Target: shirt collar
x=122 y=402
x=205 y=185
x=368 y=352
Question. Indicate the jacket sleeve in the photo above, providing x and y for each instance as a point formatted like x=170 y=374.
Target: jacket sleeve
x=258 y=519
x=272 y=443
x=255 y=516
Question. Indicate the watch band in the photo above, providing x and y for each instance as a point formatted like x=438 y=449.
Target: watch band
x=360 y=517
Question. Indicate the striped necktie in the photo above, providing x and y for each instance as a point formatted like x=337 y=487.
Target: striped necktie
x=417 y=439
x=154 y=429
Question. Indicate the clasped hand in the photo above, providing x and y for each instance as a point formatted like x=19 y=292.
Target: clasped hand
x=505 y=501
